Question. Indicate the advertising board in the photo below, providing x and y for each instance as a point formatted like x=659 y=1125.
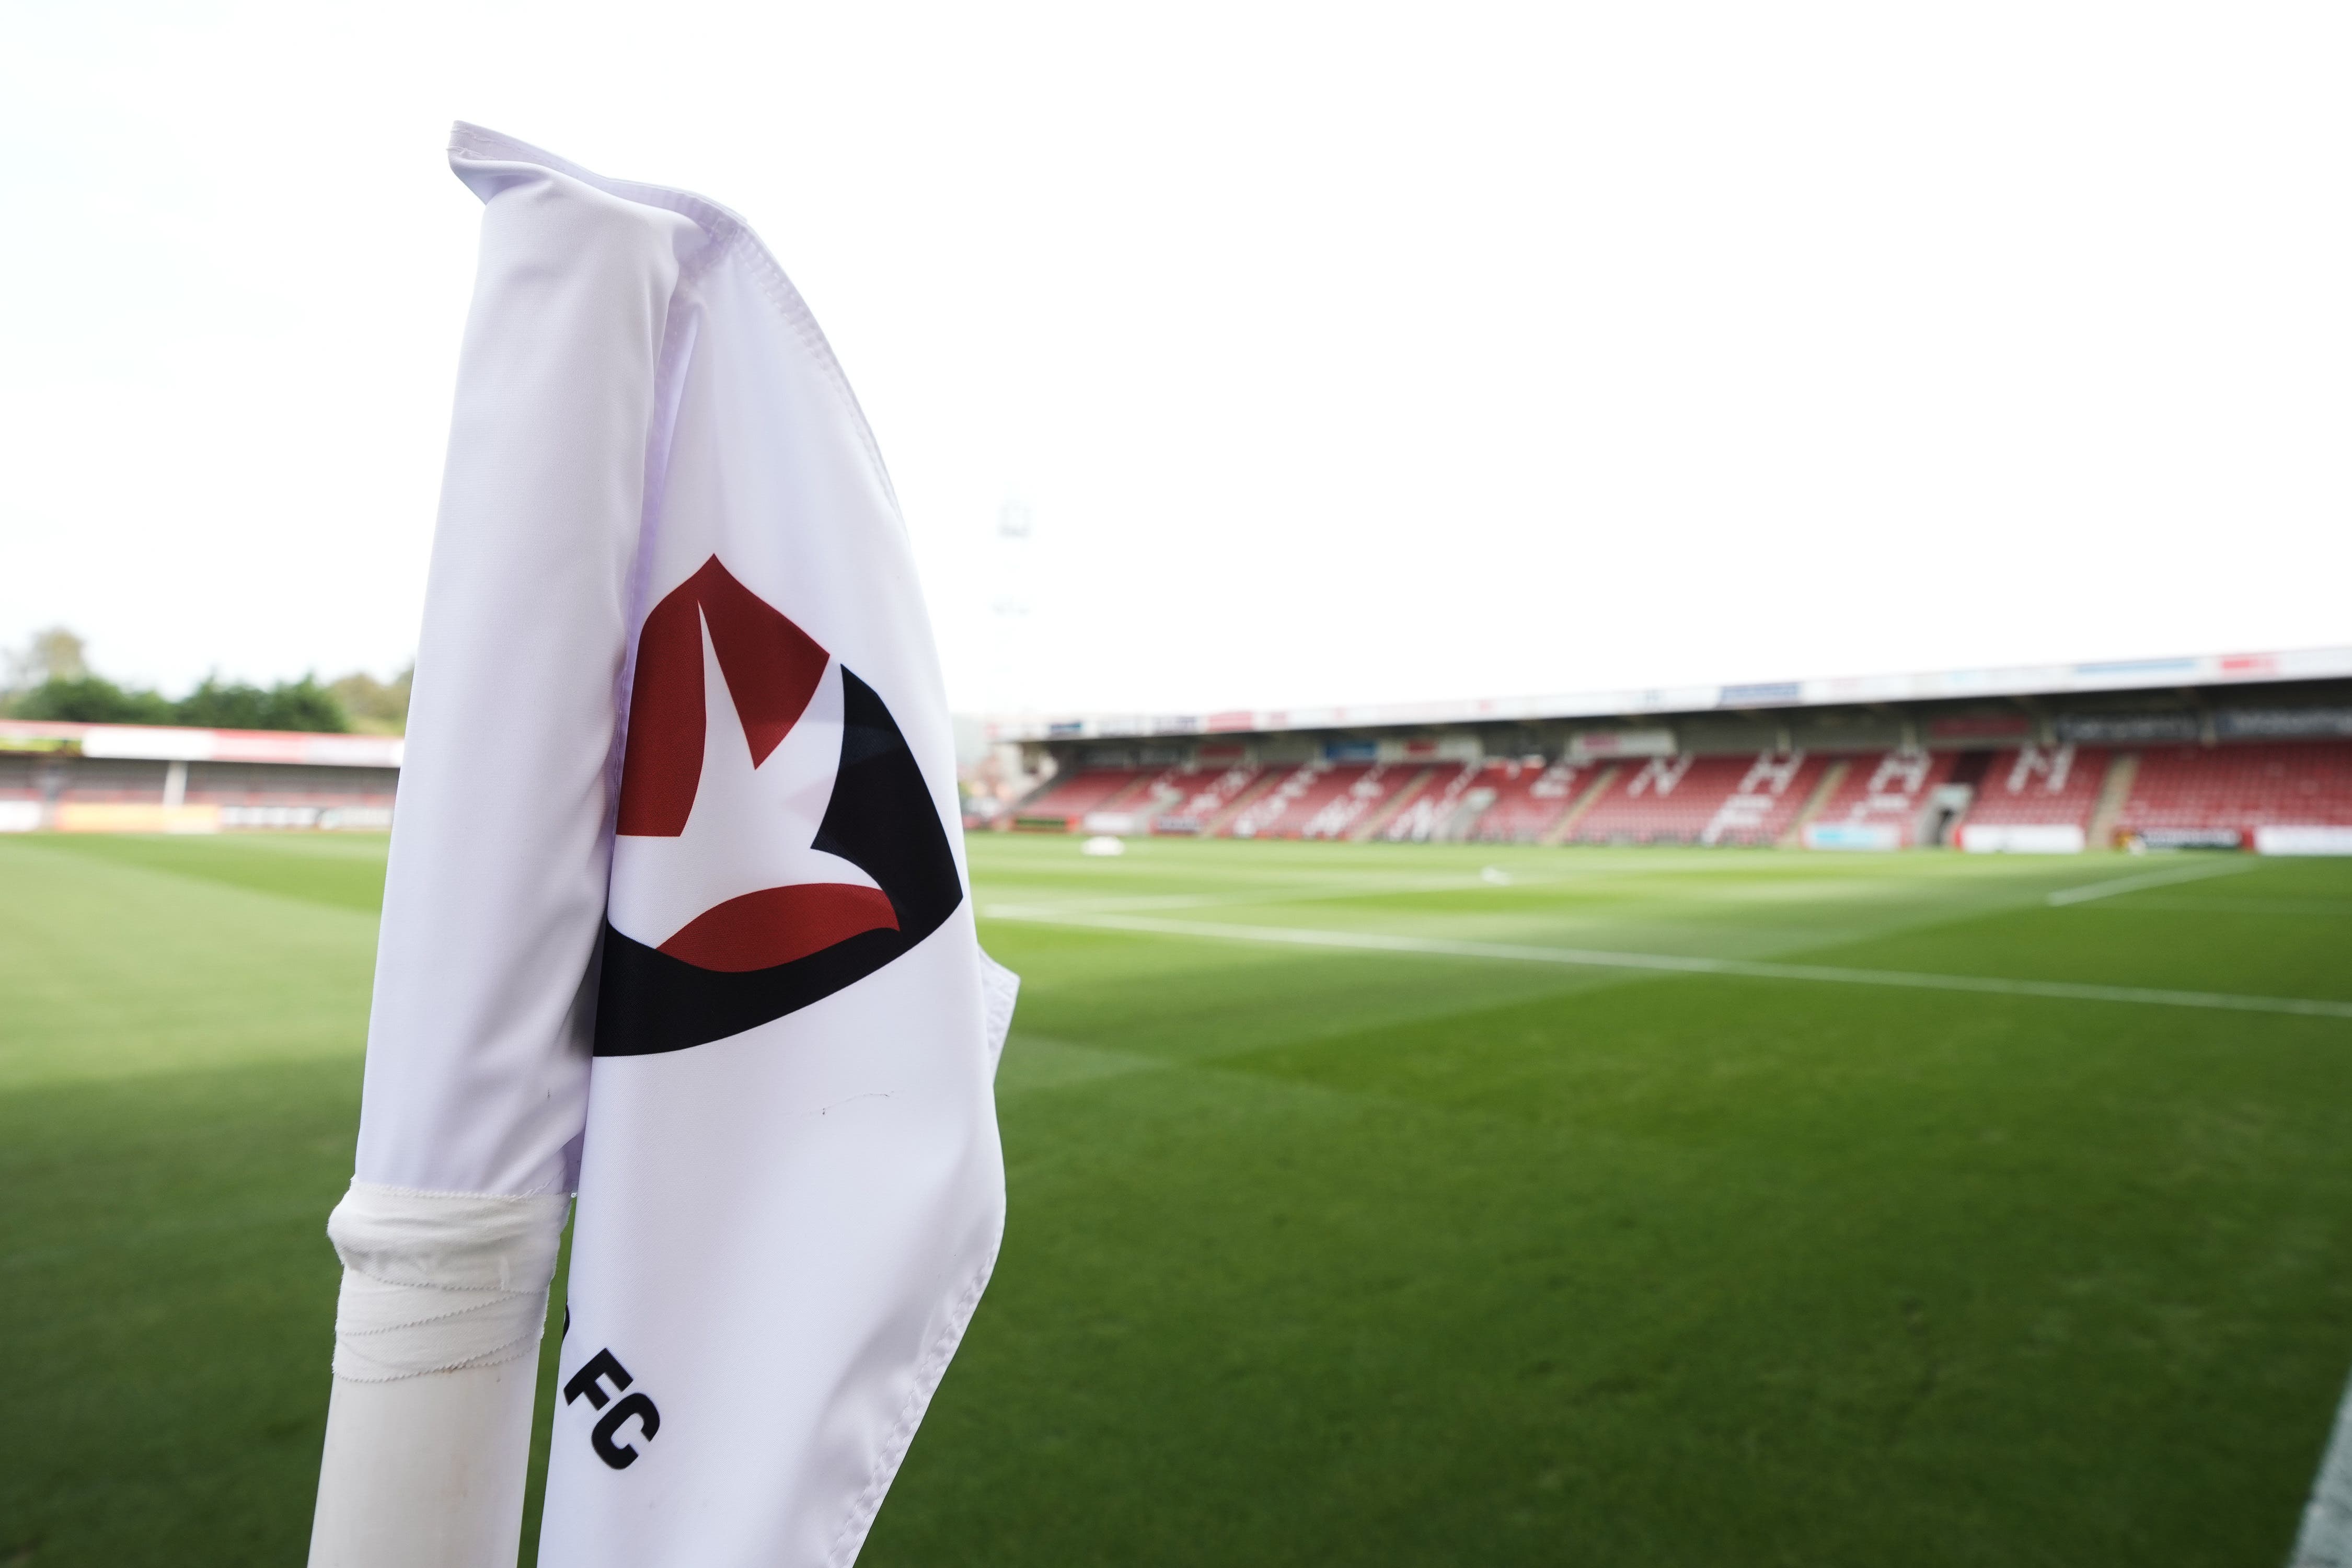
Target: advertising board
x=2282 y=724
x=2312 y=840
x=133 y=817
x=1591 y=744
x=2190 y=837
x=2022 y=838
x=1853 y=835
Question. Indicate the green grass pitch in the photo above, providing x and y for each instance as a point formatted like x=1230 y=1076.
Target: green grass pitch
x=1350 y=1224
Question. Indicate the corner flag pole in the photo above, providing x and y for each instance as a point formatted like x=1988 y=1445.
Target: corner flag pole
x=675 y=918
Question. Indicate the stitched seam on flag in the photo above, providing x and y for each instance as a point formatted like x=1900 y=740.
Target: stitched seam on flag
x=478 y=1197
x=770 y=274
x=680 y=335
x=859 y=1522
x=727 y=233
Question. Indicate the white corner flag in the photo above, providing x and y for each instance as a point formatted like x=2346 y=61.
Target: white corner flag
x=677 y=919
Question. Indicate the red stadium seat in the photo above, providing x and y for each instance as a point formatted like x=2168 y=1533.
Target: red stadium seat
x=2239 y=787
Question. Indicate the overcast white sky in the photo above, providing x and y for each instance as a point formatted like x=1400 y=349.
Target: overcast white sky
x=1336 y=354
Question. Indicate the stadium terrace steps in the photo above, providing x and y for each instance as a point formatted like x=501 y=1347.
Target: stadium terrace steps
x=1563 y=831
x=1205 y=797
x=1883 y=795
x=1449 y=806
x=1044 y=789
x=2113 y=790
x=1268 y=780
x=1637 y=805
x=2039 y=784
x=1312 y=812
x=1179 y=800
x=1394 y=809
x=1264 y=817
x=1327 y=800
x=1089 y=789
x=1343 y=813
x=1703 y=800
x=1133 y=795
x=1529 y=797
x=1831 y=777
x=1164 y=791
x=1766 y=800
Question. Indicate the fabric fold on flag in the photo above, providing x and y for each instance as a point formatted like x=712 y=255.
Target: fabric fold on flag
x=677 y=918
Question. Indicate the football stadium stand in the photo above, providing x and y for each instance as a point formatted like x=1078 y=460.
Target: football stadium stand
x=138 y=778
x=2249 y=749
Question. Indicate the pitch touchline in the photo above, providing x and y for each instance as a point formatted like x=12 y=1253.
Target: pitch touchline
x=1675 y=963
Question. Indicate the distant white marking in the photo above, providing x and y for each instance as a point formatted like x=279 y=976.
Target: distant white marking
x=2108 y=889
x=1677 y=963
x=2325 y=1540
x=1298 y=893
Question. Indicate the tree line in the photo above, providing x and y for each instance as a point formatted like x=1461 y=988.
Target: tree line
x=51 y=678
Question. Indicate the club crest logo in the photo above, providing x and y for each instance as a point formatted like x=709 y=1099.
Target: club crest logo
x=765 y=858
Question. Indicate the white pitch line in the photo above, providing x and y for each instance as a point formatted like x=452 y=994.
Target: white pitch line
x=2108 y=889
x=1133 y=903
x=1675 y=963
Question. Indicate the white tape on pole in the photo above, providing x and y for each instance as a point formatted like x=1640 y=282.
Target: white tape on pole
x=429 y=1430
x=438 y=1281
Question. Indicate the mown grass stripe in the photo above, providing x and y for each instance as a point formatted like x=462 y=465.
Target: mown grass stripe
x=2165 y=878
x=1677 y=963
